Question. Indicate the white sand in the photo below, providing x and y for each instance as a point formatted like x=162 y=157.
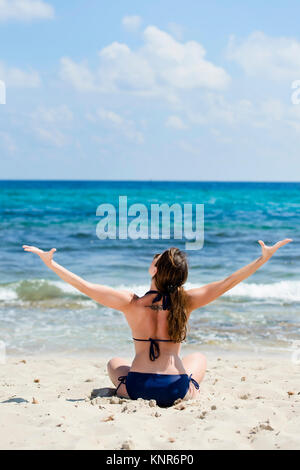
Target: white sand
x=244 y=404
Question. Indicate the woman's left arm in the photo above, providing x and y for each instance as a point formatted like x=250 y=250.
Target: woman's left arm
x=107 y=296
x=208 y=293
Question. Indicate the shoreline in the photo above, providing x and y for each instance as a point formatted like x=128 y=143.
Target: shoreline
x=254 y=352
x=244 y=403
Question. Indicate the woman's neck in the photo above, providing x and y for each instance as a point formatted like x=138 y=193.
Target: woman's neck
x=153 y=285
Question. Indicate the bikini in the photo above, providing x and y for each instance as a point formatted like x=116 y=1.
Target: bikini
x=164 y=388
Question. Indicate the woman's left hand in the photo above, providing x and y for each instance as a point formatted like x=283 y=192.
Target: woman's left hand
x=268 y=251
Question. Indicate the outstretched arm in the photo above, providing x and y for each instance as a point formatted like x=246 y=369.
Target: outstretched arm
x=204 y=295
x=117 y=299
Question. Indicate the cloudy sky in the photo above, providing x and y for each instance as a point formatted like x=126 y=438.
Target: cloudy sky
x=165 y=90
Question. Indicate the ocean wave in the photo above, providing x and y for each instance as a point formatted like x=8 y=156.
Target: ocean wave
x=45 y=293
x=282 y=291
x=42 y=290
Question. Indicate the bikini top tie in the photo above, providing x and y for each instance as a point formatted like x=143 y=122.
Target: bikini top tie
x=166 y=300
x=154 y=350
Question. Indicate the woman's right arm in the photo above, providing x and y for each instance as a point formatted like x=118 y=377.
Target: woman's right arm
x=204 y=295
x=104 y=295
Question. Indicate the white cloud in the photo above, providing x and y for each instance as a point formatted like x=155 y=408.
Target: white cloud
x=218 y=135
x=182 y=65
x=25 y=10
x=175 y=122
x=267 y=57
x=132 y=23
x=14 y=77
x=110 y=116
x=176 y=30
x=124 y=126
x=187 y=147
x=7 y=142
x=273 y=111
x=47 y=122
x=213 y=109
x=161 y=67
x=51 y=136
x=122 y=69
x=61 y=114
x=294 y=125
x=78 y=75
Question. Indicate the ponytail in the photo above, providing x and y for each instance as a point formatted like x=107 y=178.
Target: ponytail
x=177 y=317
x=172 y=272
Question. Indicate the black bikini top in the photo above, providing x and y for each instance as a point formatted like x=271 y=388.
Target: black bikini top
x=166 y=299
x=154 y=346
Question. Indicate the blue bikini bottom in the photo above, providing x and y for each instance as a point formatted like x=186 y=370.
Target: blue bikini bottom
x=163 y=388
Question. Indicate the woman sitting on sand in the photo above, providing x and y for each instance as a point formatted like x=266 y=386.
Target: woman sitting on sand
x=158 y=321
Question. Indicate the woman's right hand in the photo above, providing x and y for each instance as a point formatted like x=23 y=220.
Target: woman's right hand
x=45 y=256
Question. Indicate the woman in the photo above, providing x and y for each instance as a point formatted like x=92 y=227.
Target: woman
x=158 y=321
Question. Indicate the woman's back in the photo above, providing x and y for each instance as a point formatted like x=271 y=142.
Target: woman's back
x=149 y=322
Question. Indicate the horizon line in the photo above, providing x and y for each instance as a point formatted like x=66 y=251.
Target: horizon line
x=144 y=181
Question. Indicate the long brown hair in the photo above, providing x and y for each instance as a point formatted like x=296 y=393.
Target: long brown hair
x=172 y=273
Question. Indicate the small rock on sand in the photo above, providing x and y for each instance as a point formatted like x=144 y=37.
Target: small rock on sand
x=128 y=445
x=244 y=397
x=114 y=401
x=34 y=401
x=266 y=427
x=180 y=406
x=179 y=400
x=109 y=418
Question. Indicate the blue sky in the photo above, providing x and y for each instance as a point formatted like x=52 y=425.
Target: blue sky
x=149 y=90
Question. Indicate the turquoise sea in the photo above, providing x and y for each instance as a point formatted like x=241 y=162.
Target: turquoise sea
x=41 y=314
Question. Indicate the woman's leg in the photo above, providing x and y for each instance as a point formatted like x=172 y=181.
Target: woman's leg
x=194 y=364
x=115 y=368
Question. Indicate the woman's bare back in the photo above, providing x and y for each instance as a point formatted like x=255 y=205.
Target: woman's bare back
x=148 y=320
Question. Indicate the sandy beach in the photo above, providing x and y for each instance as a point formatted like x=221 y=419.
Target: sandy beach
x=58 y=402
